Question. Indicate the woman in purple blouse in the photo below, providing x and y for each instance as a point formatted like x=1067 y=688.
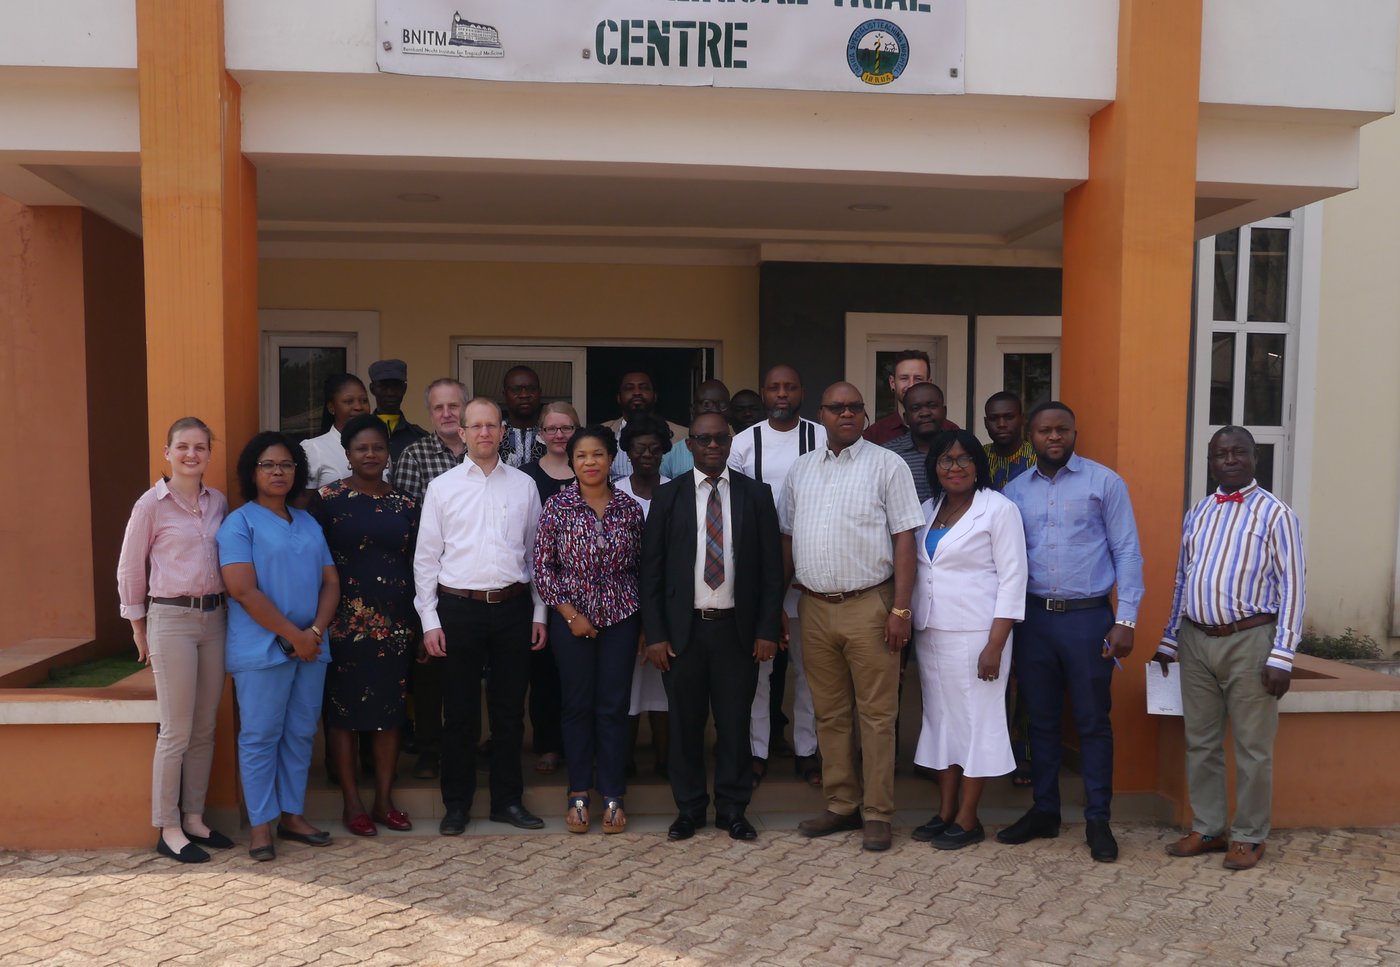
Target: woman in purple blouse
x=586 y=556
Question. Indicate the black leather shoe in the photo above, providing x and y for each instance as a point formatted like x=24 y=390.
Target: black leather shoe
x=215 y=839
x=929 y=830
x=189 y=854
x=454 y=821
x=518 y=816
x=318 y=838
x=682 y=827
x=1033 y=825
x=263 y=853
x=739 y=826
x=1102 y=846
x=955 y=837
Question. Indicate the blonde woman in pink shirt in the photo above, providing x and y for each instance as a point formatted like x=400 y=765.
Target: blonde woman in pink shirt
x=172 y=592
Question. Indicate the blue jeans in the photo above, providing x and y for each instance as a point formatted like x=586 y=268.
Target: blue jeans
x=279 y=709
x=595 y=676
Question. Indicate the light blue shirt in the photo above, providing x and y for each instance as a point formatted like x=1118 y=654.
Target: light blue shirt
x=678 y=460
x=288 y=558
x=1081 y=538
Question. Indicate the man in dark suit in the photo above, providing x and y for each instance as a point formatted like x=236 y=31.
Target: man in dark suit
x=712 y=596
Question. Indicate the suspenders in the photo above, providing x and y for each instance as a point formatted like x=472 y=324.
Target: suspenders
x=806 y=440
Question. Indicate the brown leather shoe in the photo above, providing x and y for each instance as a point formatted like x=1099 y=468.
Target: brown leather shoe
x=877 y=836
x=1194 y=844
x=1242 y=855
x=828 y=823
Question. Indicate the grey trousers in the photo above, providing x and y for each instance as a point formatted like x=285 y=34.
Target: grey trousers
x=1221 y=679
x=187 y=658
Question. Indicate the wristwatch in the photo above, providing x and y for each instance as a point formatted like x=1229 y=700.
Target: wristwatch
x=904 y=613
x=1127 y=624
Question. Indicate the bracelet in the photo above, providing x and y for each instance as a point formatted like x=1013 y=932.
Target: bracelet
x=570 y=621
x=318 y=631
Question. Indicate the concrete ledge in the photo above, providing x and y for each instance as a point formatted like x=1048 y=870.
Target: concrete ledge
x=1320 y=685
x=28 y=662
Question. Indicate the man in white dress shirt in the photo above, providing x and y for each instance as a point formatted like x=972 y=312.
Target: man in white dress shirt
x=765 y=452
x=471 y=571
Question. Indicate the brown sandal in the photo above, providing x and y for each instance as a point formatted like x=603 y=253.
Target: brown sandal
x=576 y=818
x=614 y=819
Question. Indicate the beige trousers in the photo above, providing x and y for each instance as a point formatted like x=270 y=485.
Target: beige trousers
x=187 y=658
x=853 y=677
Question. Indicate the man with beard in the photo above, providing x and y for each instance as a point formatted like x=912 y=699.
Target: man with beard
x=1081 y=542
x=1010 y=454
x=636 y=394
x=520 y=390
x=923 y=414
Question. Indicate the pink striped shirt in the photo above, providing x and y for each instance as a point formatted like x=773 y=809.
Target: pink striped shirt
x=177 y=543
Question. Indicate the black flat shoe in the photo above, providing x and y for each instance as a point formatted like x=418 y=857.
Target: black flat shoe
x=739 y=827
x=1033 y=825
x=454 y=822
x=215 y=839
x=1102 y=846
x=682 y=827
x=263 y=853
x=929 y=830
x=955 y=837
x=518 y=816
x=189 y=854
x=319 y=838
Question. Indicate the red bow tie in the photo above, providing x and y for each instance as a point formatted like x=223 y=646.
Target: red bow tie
x=1234 y=498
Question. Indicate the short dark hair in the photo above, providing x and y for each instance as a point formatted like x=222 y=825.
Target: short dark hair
x=361 y=423
x=1232 y=429
x=636 y=372
x=904 y=355
x=521 y=368
x=247 y=468
x=1046 y=407
x=1005 y=396
x=645 y=426
x=598 y=432
x=943 y=443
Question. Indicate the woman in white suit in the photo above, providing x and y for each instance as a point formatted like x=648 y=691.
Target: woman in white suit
x=970 y=589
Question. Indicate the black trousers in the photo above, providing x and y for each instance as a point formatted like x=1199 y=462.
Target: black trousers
x=481 y=635
x=546 y=701
x=715 y=673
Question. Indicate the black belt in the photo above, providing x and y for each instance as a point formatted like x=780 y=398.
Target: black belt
x=203 y=602
x=1066 y=604
x=713 y=614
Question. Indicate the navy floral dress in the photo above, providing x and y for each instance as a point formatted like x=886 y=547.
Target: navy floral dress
x=375 y=628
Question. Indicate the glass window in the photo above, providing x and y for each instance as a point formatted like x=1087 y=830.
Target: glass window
x=1222 y=378
x=1028 y=376
x=1263 y=379
x=885 y=403
x=301 y=373
x=1227 y=251
x=1268 y=275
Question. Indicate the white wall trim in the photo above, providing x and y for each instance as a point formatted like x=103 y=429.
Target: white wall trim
x=997 y=335
x=1309 y=238
x=362 y=325
x=950 y=373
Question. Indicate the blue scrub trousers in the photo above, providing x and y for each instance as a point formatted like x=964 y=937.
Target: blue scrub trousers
x=279 y=709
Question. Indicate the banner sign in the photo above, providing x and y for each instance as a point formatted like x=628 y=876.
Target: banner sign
x=891 y=46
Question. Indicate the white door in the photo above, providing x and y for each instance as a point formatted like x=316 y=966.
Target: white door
x=874 y=338
x=1020 y=354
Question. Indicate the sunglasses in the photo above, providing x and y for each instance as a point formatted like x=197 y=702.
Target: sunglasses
x=836 y=409
x=712 y=439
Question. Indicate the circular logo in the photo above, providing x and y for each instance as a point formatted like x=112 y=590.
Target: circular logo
x=877 y=52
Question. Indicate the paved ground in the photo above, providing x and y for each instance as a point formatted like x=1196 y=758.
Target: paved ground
x=1318 y=898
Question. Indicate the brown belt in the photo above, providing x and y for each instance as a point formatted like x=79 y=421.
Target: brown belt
x=498 y=596
x=840 y=596
x=1244 y=624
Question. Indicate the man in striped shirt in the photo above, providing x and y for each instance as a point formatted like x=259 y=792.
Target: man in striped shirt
x=1236 y=618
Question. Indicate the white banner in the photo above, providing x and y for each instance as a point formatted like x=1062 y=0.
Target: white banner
x=893 y=46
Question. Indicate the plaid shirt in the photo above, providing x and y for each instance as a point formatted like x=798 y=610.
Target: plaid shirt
x=421 y=463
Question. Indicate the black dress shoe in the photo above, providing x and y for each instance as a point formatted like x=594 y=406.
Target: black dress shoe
x=739 y=826
x=929 y=830
x=263 y=853
x=454 y=821
x=682 y=827
x=1102 y=846
x=955 y=837
x=318 y=838
x=518 y=816
x=1033 y=825
x=190 y=853
x=215 y=839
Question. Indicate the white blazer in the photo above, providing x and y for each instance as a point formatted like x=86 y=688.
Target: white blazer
x=978 y=571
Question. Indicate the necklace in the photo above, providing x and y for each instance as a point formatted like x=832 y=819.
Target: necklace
x=950 y=516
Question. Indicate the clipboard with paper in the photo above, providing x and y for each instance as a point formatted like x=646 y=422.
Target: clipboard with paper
x=1163 y=691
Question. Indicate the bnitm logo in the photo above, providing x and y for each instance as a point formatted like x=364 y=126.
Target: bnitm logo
x=465 y=39
x=877 y=52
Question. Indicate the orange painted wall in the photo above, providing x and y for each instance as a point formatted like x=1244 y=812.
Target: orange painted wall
x=1127 y=315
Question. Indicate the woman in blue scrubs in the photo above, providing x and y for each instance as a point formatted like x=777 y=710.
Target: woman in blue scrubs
x=283 y=591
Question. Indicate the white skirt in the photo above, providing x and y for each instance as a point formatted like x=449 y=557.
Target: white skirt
x=648 y=694
x=964 y=717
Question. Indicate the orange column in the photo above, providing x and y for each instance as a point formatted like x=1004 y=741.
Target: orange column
x=199 y=215
x=1128 y=260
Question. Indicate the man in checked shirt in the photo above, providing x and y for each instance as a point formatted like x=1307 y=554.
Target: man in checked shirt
x=1236 y=618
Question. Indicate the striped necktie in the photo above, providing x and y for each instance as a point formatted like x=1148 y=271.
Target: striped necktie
x=714 y=536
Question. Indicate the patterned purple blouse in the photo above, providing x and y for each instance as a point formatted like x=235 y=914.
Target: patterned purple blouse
x=589 y=563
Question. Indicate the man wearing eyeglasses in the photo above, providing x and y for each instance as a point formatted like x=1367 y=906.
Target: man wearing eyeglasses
x=472 y=572
x=711 y=396
x=848 y=514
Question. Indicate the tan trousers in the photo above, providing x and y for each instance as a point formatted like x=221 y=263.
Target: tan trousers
x=187 y=658
x=853 y=675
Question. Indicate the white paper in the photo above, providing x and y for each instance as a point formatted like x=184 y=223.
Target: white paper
x=1163 y=694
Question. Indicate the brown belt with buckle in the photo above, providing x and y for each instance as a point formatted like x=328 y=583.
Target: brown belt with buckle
x=1234 y=627
x=498 y=596
x=839 y=596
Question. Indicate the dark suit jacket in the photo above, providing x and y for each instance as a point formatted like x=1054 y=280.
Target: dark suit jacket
x=669 y=546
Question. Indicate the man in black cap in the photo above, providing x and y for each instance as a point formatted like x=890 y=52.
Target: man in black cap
x=388 y=381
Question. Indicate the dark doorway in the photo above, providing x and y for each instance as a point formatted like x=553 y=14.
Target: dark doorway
x=674 y=372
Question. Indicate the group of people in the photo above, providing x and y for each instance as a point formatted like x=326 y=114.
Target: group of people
x=611 y=570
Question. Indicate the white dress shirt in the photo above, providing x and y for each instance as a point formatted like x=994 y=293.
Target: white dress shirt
x=706 y=596
x=476 y=532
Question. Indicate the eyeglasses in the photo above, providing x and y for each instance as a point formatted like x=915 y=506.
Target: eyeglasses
x=272 y=466
x=946 y=462
x=836 y=409
x=564 y=430
x=715 y=439
x=478 y=427
x=647 y=449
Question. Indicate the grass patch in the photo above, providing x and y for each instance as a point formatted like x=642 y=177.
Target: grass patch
x=98 y=673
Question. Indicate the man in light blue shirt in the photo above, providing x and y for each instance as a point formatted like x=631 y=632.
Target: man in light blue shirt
x=1081 y=543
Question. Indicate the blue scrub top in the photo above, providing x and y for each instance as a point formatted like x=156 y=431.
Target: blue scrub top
x=288 y=558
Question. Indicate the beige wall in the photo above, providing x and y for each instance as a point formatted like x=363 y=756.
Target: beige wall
x=424 y=306
x=1356 y=459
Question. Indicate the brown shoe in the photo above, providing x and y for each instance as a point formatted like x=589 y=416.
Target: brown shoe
x=828 y=823
x=1242 y=855
x=1194 y=844
x=877 y=836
